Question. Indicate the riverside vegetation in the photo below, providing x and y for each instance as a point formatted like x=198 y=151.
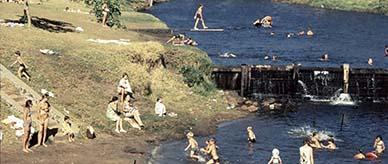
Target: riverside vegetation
x=84 y=75
x=373 y=6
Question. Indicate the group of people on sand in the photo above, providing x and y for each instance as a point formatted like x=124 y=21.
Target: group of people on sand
x=43 y=111
x=123 y=108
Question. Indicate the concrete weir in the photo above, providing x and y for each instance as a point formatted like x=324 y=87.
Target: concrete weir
x=366 y=84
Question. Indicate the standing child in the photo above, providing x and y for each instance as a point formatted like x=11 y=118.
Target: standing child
x=199 y=17
x=193 y=145
x=251 y=135
x=275 y=159
x=66 y=127
x=22 y=71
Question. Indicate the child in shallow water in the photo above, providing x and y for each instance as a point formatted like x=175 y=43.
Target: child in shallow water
x=275 y=159
x=251 y=135
x=193 y=145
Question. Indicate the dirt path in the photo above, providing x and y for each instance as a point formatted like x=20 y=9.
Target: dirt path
x=117 y=149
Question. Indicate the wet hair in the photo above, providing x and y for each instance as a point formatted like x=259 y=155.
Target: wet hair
x=125 y=74
x=17 y=53
x=306 y=141
x=200 y=5
x=28 y=104
x=379 y=136
x=66 y=118
x=360 y=151
x=114 y=98
x=331 y=140
x=315 y=133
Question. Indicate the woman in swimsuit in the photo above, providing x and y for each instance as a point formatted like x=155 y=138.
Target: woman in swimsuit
x=112 y=112
x=130 y=111
x=27 y=125
x=379 y=145
x=105 y=11
x=22 y=71
x=275 y=159
x=199 y=17
x=43 y=109
x=193 y=145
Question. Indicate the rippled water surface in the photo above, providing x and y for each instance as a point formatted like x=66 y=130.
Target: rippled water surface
x=360 y=126
x=348 y=37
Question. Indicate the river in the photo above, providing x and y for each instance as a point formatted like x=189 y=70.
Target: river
x=348 y=37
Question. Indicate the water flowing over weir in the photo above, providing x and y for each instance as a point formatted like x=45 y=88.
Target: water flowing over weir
x=362 y=84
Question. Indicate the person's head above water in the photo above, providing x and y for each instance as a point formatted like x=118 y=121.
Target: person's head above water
x=200 y=5
x=275 y=152
x=315 y=134
x=249 y=128
x=378 y=137
x=306 y=141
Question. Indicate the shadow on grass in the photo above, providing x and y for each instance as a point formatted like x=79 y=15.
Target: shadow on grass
x=50 y=132
x=52 y=25
x=46 y=24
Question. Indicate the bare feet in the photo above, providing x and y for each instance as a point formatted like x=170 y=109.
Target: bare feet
x=117 y=131
x=122 y=130
x=44 y=145
x=29 y=150
x=26 y=151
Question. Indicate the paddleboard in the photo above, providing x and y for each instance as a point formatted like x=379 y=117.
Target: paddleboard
x=208 y=30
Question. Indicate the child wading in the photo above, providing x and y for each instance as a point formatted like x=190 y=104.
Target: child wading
x=199 y=17
x=275 y=159
x=251 y=135
x=193 y=146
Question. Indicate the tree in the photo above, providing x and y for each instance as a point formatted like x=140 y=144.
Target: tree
x=113 y=14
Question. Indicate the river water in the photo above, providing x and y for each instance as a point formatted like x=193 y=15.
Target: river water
x=285 y=131
x=348 y=37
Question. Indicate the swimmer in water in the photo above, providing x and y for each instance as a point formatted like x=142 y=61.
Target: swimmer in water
x=251 y=135
x=212 y=150
x=193 y=146
x=306 y=152
x=379 y=145
x=370 y=61
x=359 y=156
x=265 y=22
x=275 y=159
x=315 y=141
x=310 y=32
x=331 y=145
x=386 y=51
x=325 y=57
x=199 y=17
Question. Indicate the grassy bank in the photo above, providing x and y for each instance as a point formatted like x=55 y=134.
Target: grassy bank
x=373 y=6
x=85 y=74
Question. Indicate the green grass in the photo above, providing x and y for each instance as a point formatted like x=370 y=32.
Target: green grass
x=85 y=75
x=374 y=6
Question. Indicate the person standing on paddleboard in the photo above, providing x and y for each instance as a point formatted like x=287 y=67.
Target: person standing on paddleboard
x=199 y=17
